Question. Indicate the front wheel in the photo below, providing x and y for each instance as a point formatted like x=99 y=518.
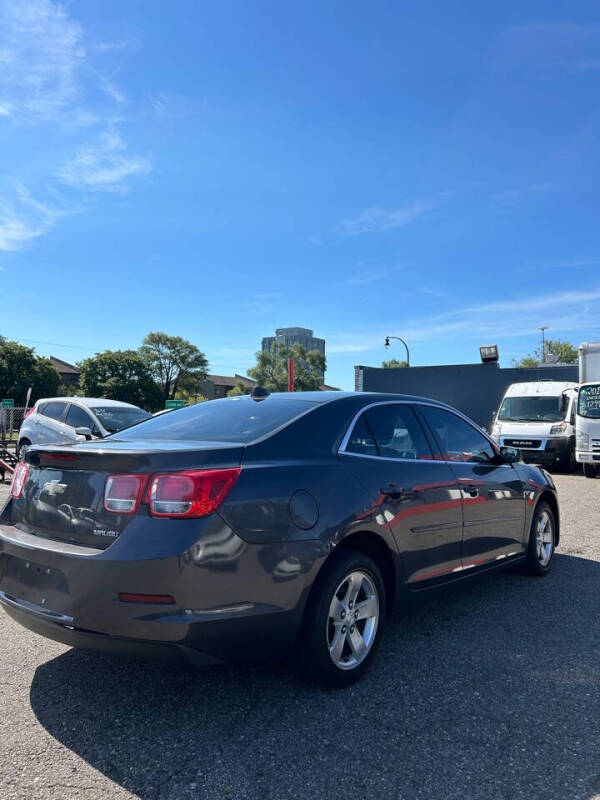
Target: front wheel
x=590 y=471
x=542 y=540
x=344 y=620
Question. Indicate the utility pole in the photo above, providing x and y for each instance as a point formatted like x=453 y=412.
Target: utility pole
x=543 y=328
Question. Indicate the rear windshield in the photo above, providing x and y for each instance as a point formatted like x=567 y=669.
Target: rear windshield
x=232 y=419
x=589 y=402
x=533 y=408
x=115 y=418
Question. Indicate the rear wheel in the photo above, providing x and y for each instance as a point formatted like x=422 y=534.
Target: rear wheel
x=343 y=621
x=590 y=471
x=542 y=540
x=23 y=445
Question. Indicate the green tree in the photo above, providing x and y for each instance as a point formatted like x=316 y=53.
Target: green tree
x=175 y=363
x=565 y=353
x=271 y=370
x=393 y=363
x=121 y=375
x=20 y=368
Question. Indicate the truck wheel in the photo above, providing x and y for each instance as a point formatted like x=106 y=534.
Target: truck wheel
x=590 y=471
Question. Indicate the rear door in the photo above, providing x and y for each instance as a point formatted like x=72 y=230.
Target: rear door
x=493 y=494
x=416 y=496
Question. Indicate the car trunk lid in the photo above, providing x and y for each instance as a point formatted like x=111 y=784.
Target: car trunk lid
x=63 y=495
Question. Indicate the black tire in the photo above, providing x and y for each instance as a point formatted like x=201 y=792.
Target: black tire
x=318 y=630
x=23 y=443
x=536 y=564
x=590 y=471
x=569 y=463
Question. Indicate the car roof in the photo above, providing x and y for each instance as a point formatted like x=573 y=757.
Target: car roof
x=542 y=388
x=89 y=402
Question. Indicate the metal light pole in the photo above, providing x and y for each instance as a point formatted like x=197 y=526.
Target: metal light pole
x=543 y=328
x=387 y=344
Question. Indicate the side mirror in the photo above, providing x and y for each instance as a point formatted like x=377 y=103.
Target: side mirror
x=84 y=431
x=509 y=455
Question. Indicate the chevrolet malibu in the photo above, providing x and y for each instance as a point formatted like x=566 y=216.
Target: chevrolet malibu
x=245 y=526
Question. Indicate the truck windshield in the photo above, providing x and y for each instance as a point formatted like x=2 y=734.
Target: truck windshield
x=588 y=404
x=533 y=408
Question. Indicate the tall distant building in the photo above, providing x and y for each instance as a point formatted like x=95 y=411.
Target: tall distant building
x=290 y=336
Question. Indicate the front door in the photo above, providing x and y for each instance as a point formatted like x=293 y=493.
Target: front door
x=493 y=494
x=415 y=495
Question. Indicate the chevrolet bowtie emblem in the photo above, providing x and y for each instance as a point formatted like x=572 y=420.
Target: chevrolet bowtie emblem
x=54 y=487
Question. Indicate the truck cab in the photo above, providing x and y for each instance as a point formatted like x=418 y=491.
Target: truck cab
x=587 y=450
x=538 y=419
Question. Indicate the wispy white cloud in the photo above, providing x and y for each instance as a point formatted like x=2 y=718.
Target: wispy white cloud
x=367 y=276
x=23 y=219
x=566 y=312
x=263 y=302
x=47 y=79
x=522 y=191
x=103 y=165
x=41 y=52
x=382 y=219
x=544 y=48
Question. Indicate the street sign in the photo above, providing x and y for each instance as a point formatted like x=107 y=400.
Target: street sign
x=8 y=403
x=174 y=404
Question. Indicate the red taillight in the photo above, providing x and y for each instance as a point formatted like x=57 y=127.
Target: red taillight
x=19 y=478
x=190 y=493
x=27 y=413
x=122 y=493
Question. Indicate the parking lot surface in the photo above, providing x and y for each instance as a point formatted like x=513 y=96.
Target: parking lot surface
x=486 y=690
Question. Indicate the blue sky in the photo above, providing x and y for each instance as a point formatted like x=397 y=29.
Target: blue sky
x=216 y=170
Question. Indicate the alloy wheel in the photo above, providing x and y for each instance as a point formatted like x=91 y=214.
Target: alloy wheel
x=352 y=620
x=544 y=538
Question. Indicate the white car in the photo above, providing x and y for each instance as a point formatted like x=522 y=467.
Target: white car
x=56 y=420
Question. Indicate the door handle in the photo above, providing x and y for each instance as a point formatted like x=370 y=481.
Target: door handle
x=471 y=489
x=396 y=491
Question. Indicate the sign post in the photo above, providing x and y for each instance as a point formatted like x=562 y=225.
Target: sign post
x=290 y=375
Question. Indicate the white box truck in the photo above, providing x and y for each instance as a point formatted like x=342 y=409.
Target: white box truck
x=587 y=450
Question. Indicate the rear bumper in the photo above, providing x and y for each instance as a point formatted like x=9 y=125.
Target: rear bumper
x=232 y=599
x=37 y=620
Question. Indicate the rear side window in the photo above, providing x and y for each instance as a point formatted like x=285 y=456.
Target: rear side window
x=54 y=410
x=78 y=418
x=361 y=439
x=389 y=431
x=458 y=440
x=232 y=419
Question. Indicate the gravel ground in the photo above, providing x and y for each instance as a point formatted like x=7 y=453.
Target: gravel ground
x=487 y=690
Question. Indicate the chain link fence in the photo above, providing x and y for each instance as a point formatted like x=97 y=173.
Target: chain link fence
x=10 y=422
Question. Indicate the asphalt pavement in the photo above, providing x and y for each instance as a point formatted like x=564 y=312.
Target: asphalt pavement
x=486 y=690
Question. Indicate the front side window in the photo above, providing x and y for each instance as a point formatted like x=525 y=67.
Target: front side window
x=389 y=431
x=589 y=401
x=54 y=410
x=78 y=418
x=458 y=440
